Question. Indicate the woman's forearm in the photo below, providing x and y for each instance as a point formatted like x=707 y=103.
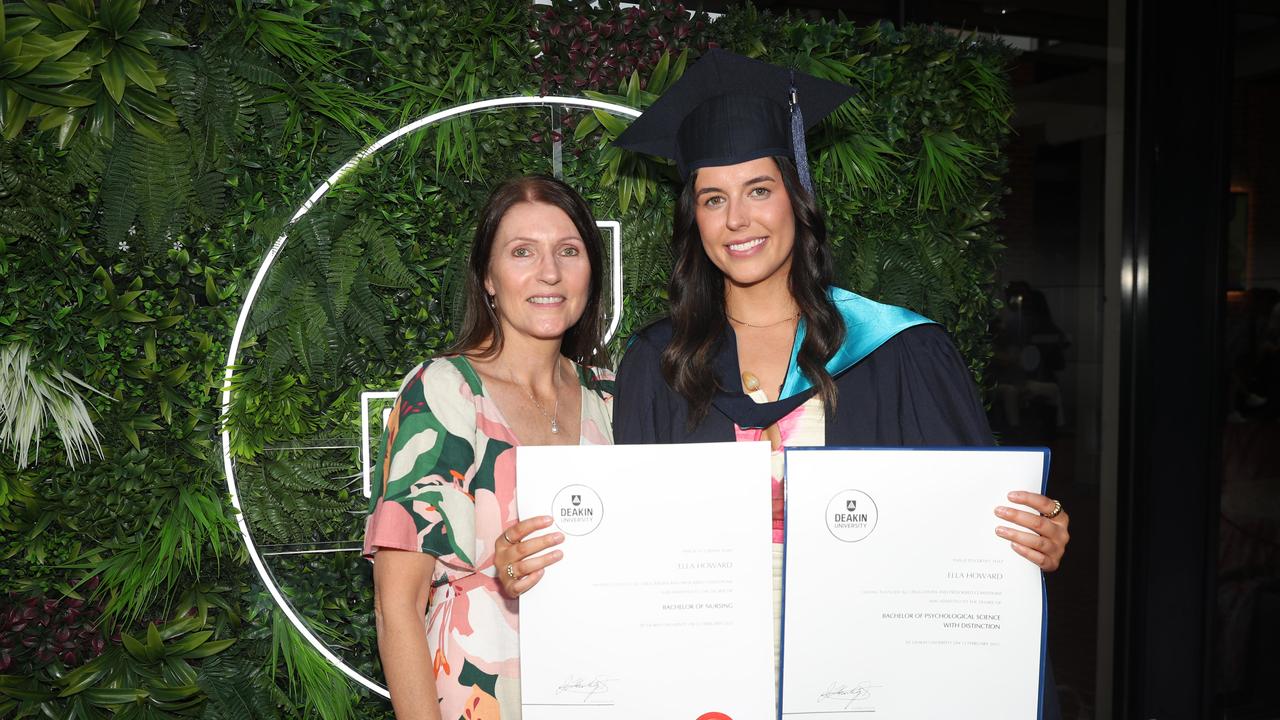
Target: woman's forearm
x=406 y=662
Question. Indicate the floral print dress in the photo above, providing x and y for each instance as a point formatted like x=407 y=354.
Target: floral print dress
x=446 y=487
x=803 y=427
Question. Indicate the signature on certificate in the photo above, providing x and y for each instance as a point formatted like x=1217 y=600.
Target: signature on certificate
x=587 y=689
x=848 y=694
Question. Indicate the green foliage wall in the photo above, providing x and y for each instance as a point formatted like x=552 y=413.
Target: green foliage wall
x=152 y=153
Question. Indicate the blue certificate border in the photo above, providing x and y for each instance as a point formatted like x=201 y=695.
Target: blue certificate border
x=1044 y=596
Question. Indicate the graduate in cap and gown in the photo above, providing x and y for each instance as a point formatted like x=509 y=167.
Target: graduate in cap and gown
x=760 y=343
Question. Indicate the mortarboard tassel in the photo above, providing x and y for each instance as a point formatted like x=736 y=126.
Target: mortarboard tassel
x=798 y=146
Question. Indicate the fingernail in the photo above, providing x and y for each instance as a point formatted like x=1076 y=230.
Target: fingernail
x=1002 y=532
x=558 y=537
x=545 y=520
x=1002 y=511
x=557 y=554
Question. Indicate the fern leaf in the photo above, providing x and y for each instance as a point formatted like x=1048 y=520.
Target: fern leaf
x=209 y=192
x=162 y=176
x=340 y=270
x=384 y=254
x=119 y=202
x=86 y=158
x=17 y=222
x=365 y=316
x=212 y=102
x=300 y=472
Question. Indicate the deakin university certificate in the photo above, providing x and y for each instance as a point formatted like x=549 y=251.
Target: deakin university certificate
x=900 y=601
x=662 y=604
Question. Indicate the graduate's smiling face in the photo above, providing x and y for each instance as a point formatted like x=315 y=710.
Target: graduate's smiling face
x=745 y=219
x=539 y=272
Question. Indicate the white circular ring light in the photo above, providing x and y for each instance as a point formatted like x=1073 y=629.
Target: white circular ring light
x=272 y=254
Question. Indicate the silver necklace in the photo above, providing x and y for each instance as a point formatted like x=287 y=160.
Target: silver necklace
x=554 y=417
x=743 y=322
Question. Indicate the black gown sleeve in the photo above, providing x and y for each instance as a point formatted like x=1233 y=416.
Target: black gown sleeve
x=941 y=405
x=913 y=391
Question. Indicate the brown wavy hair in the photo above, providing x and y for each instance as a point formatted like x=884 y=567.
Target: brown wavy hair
x=696 y=292
x=481 y=333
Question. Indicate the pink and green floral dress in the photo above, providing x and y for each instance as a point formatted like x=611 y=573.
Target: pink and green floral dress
x=445 y=485
x=803 y=427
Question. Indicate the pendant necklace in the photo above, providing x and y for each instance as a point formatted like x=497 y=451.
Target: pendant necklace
x=554 y=417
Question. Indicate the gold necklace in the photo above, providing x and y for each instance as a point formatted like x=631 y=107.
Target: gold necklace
x=743 y=322
x=554 y=417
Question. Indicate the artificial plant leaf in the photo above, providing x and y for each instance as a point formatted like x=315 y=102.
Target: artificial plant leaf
x=612 y=123
x=173 y=693
x=209 y=649
x=119 y=15
x=155 y=37
x=113 y=76
x=151 y=106
x=56 y=73
x=658 y=78
x=587 y=125
x=114 y=696
x=55 y=99
x=85 y=675
x=19 y=26
x=138 y=66
x=56 y=47
x=68 y=17
x=17 y=109
x=155 y=645
x=133 y=646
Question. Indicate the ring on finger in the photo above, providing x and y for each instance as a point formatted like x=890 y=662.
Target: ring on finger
x=1057 y=510
x=511 y=572
x=504 y=537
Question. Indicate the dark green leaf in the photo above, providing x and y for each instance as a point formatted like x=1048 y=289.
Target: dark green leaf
x=114 y=696
x=138 y=66
x=113 y=76
x=612 y=123
x=157 y=37
x=119 y=15
x=131 y=644
x=56 y=73
x=155 y=645
x=58 y=46
x=69 y=17
x=56 y=99
x=209 y=649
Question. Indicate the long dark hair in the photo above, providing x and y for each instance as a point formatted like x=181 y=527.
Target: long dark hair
x=481 y=333
x=696 y=291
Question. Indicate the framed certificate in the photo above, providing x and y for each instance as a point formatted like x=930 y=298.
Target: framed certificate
x=900 y=601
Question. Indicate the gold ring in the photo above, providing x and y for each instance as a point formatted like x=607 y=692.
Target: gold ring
x=511 y=573
x=504 y=537
x=1057 y=510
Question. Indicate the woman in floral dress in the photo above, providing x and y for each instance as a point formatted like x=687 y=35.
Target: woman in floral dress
x=447 y=635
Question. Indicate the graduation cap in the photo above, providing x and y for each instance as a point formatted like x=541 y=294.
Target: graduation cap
x=729 y=109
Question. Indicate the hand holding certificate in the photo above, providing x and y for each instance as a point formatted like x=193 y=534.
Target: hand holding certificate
x=900 y=601
x=661 y=604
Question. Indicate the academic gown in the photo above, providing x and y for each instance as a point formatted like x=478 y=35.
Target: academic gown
x=900 y=383
x=899 y=379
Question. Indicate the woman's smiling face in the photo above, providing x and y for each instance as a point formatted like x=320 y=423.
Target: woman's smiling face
x=745 y=219
x=539 y=273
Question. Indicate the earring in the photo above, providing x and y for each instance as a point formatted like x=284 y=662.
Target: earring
x=492 y=305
